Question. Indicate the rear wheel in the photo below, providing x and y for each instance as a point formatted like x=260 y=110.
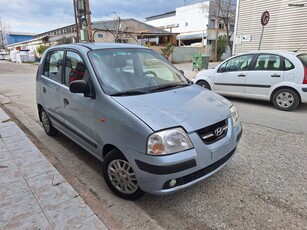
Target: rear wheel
x=204 y=84
x=286 y=99
x=48 y=127
x=120 y=177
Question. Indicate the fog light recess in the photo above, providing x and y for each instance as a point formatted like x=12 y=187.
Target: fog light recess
x=172 y=183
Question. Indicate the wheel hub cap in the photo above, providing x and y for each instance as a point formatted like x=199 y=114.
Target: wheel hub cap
x=122 y=176
x=285 y=99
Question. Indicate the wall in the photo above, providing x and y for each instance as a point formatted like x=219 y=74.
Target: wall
x=286 y=30
x=195 y=16
x=184 y=54
x=12 y=38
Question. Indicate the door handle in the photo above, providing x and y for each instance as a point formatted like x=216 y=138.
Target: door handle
x=66 y=102
x=44 y=90
x=275 y=75
x=241 y=75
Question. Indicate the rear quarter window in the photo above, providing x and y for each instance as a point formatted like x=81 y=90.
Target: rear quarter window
x=288 y=65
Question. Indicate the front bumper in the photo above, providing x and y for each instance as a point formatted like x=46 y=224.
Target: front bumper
x=156 y=174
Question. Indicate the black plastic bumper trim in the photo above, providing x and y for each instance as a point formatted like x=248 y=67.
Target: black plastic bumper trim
x=304 y=90
x=166 y=169
x=239 y=135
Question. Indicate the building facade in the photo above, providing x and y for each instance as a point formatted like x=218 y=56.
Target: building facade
x=196 y=25
x=15 y=37
x=286 y=29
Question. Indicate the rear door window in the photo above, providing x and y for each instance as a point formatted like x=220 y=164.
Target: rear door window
x=53 y=65
x=268 y=62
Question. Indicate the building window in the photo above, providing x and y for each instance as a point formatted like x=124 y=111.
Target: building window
x=221 y=26
x=212 y=23
x=186 y=23
x=232 y=27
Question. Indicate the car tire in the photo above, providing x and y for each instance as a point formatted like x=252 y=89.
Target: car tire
x=48 y=127
x=286 y=99
x=204 y=84
x=120 y=177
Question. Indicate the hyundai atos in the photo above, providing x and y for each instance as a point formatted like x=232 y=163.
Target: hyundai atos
x=153 y=130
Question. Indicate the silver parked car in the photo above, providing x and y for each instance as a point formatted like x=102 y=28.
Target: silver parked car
x=153 y=130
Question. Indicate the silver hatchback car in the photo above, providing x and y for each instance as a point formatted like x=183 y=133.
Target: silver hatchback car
x=153 y=130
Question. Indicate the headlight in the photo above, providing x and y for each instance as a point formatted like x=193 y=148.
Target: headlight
x=234 y=115
x=168 y=141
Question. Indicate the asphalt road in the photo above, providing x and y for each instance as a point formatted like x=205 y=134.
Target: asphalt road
x=263 y=187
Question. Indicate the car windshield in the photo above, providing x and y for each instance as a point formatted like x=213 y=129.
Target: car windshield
x=134 y=71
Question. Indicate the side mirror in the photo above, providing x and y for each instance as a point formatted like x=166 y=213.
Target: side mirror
x=80 y=86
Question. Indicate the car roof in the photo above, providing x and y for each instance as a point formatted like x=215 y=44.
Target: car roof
x=97 y=46
x=280 y=52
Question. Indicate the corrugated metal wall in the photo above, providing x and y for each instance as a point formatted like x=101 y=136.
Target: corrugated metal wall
x=286 y=30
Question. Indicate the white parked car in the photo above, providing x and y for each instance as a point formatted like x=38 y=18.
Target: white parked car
x=279 y=77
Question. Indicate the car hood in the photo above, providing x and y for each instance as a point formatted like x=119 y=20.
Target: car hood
x=191 y=107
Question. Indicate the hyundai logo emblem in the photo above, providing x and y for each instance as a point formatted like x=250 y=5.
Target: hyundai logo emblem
x=218 y=132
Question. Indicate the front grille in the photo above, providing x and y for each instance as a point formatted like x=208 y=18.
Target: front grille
x=214 y=132
x=200 y=173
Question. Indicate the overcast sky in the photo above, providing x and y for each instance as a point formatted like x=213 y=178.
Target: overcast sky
x=38 y=16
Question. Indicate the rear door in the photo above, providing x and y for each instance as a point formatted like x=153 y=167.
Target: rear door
x=267 y=71
x=51 y=81
x=232 y=74
x=78 y=111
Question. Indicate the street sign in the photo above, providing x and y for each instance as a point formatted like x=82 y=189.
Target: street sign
x=265 y=17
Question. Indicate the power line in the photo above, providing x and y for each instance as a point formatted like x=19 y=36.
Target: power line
x=67 y=5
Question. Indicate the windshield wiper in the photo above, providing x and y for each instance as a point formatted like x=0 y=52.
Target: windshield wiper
x=128 y=93
x=168 y=86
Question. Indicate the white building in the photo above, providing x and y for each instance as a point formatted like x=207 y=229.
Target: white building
x=194 y=24
x=286 y=29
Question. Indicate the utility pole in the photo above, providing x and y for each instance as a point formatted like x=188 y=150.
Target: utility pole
x=217 y=29
x=89 y=22
x=76 y=21
x=83 y=20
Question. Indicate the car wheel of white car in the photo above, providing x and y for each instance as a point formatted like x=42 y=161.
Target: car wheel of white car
x=120 y=177
x=286 y=99
x=204 y=84
x=48 y=127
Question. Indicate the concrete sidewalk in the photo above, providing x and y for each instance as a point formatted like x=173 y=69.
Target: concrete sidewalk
x=33 y=194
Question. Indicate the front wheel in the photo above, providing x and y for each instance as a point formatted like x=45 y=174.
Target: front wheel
x=286 y=99
x=204 y=84
x=120 y=177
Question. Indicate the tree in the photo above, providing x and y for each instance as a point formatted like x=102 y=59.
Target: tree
x=221 y=46
x=4 y=30
x=41 y=49
x=223 y=11
x=167 y=50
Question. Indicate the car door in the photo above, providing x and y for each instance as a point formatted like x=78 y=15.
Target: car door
x=266 y=72
x=231 y=75
x=77 y=109
x=51 y=81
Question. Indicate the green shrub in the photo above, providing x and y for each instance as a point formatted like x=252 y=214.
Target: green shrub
x=41 y=49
